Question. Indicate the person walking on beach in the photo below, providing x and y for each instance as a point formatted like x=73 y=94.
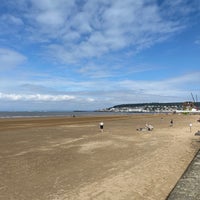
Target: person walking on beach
x=171 y=122
x=101 y=124
x=190 y=127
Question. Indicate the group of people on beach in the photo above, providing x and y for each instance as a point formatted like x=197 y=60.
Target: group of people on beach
x=147 y=126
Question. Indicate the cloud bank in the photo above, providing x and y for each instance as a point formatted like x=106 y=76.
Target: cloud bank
x=35 y=97
x=73 y=30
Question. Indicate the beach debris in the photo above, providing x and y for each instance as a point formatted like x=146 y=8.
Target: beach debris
x=148 y=127
x=197 y=133
x=141 y=129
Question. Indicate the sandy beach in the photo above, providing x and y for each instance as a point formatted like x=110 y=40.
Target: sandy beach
x=67 y=158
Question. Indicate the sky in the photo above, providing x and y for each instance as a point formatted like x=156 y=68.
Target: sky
x=94 y=54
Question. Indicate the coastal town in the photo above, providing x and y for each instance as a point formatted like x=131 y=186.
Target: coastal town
x=176 y=107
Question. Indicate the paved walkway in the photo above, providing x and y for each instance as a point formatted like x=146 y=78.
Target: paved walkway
x=188 y=187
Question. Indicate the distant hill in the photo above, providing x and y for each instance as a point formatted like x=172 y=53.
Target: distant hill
x=149 y=104
x=154 y=107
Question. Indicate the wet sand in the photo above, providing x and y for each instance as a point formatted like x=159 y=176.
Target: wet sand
x=70 y=159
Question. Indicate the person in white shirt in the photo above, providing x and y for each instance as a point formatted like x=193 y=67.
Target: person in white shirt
x=190 y=127
x=101 y=124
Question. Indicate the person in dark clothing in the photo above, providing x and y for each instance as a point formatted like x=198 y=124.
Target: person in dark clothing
x=171 y=122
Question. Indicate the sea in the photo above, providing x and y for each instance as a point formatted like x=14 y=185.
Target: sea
x=22 y=114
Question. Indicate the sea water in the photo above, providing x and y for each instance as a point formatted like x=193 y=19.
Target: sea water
x=19 y=114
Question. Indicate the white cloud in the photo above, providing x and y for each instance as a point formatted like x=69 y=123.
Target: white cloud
x=112 y=69
x=98 y=94
x=10 y=58
x=91 y=99
x=35 y=97
x=10 y=19
x=51 y=18
x=80 y=29
x=50 y=14
x=197 y=42
x=97 y=88
x=180 y=86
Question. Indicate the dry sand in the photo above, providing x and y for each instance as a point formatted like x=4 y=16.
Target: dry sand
x=70 y=159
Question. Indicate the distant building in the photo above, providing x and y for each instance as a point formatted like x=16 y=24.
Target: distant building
x=188 y=105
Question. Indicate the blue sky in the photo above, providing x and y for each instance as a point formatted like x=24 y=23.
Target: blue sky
x=92 y=54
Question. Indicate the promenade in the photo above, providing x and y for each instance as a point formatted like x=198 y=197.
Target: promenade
x=188 y=187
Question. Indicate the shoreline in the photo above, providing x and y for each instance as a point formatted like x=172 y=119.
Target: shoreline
x=44 y=114
x=69 y=158
x=28 y=122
